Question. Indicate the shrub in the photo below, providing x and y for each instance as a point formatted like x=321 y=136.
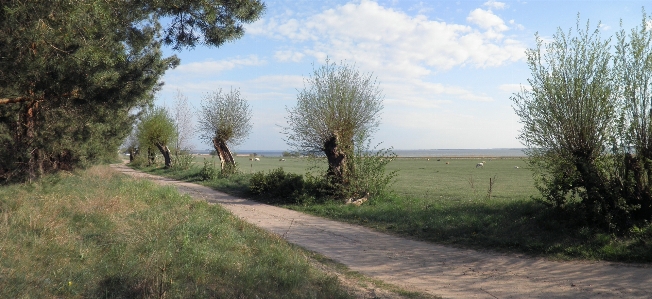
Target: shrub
x=368 y=175
x=139 y=161
x=209 y=171
x=278 y=186
x=182 y=159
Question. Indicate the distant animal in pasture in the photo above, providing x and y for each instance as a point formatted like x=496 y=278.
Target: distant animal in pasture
x=251 y=159
x=483 y=162
x=447 y=163
x=481 y=165
x=256 y=159
x=438 y=159
x=281 y=160
x=516 y=167
x=428 y=159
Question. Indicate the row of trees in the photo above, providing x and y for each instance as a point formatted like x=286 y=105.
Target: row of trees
x=588 y=124
x=224 y=120
x=73 y=72
x=336 y=113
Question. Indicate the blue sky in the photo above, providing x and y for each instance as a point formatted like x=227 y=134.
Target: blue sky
x=447 y=68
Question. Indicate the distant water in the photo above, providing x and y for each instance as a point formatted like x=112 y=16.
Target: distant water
x=485 y=152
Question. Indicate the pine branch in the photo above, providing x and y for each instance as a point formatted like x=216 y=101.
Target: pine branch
x=14 y=100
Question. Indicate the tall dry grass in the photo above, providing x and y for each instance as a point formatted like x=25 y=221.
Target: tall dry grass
x=98 y=234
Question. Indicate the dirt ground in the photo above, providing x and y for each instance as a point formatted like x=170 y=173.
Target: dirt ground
x=430 y=268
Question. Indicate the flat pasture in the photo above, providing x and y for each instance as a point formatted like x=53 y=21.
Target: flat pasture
x=451 y=178
x=460 y=179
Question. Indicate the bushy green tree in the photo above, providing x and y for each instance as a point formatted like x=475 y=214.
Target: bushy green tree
x=337 y=107
x=156 y=129
x=586 y=123
x=337 y=112
x=224 y=119
x=568 y=115
x=633 y=69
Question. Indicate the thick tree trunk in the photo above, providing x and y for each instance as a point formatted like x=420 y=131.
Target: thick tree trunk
x=165 y=151
x=151 y=156
x=223 y=152
x=600 y=200
x=337 y=160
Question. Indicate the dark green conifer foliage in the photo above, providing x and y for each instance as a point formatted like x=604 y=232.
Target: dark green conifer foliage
x=73 y=72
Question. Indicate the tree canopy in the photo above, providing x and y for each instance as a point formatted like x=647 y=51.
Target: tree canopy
x=586 y=123
x=156 y=129
x=224 y=119
x=338 y=106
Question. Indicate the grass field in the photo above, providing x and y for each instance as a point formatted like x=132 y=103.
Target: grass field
x=447 y=202
x=419 y=177
x=99 y=234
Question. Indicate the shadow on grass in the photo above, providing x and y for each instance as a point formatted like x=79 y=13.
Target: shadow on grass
x=522 y=226
x=120 y=287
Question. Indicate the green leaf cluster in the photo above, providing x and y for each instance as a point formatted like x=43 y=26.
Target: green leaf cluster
x=587 y=124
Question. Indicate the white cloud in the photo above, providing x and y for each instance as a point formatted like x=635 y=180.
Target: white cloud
x=495 y=4
x=264 y=88
x=516 y=25
x=513 y=88
x=380 y=38
x=417 y=93
x=449 y=128
x=217 y=66
x=288 y=55
x=489 y=21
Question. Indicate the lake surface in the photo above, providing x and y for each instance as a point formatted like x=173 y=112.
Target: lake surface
x=486 y=152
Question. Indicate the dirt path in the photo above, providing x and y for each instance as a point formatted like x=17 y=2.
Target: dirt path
x=439 y=270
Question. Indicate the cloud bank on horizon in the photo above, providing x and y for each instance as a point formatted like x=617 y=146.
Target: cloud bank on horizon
x=447 y=69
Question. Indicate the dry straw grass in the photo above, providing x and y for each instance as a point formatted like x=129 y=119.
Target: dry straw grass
x=98 y=234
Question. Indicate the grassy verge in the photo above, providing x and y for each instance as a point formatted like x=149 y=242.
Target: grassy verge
x=96 y=234
x=447 y=202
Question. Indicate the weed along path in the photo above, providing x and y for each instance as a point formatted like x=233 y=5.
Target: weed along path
x=439 y=270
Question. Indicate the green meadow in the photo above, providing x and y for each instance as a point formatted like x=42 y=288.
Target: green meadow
x=448 y=202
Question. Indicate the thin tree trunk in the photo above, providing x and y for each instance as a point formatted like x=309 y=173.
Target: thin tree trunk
x=150 y=156
x=33 y=165
x=223 y=152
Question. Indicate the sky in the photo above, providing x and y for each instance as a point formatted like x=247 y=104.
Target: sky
x=447 y=69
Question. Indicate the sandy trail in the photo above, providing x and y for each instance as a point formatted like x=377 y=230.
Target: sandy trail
x=439 y=270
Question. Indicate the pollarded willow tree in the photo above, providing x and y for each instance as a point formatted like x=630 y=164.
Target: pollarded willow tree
x=224 y=120
x=633 y=68
x=586 y=123
x=338 y=107
x=157 y=129
x=568 y=116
